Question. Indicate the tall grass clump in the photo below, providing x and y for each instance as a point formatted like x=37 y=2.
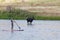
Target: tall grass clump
x=15 y=14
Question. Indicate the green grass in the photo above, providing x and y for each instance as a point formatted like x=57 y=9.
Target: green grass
x=22 y=14
x=15 y=14
x=48 y=17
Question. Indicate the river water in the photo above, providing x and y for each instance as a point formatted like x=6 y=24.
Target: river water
x=39 y=30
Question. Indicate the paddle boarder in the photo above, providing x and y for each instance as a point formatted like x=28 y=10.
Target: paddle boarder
x=12 y=25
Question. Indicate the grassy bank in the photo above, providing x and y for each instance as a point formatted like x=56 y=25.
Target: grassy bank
x=22 y=14
x=47 y=17
x=15 y=14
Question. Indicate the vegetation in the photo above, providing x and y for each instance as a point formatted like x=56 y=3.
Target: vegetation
x=22 y=14
x=32 y=2
x=48 y=17
x=15 y=14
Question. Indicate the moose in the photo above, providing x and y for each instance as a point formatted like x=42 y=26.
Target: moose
x=30 y=20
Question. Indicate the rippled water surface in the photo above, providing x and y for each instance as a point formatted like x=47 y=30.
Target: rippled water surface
x=39 y=30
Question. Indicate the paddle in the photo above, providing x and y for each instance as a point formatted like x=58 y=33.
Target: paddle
x=17 y=25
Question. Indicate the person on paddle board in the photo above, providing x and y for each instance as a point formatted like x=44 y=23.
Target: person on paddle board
x=12 y=24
